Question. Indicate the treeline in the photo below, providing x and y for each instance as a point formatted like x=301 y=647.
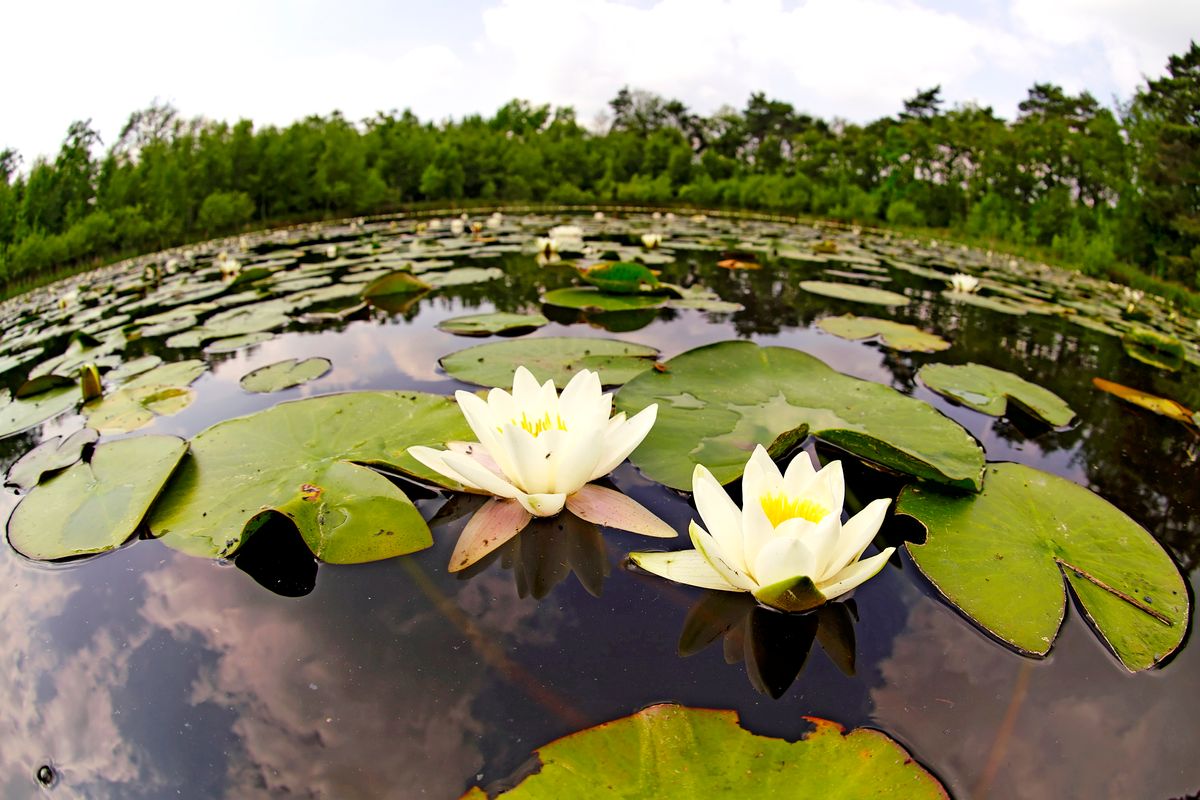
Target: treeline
x=1095 y=187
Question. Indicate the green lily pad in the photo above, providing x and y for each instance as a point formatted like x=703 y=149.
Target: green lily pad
x=94 y=506
x=462 y=276
x=999 y=304
x=896 y=335
x=401 y=282
x=1153 y=348
x=668 y=750
x=495 y=322
x=42 y=383
x=234 y=343
x=302 y=459
x=51 y=455
x=1001 y=557
x=855 y=293
x=550 y=358
x=137 y=366
x=18 y=414
x=285 y=374
x=161 y=392
x=588 y=298
x=620 y=277
x=739 y=395
x=990 y=390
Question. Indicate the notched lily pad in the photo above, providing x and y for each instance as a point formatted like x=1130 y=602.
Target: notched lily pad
x=285 y=374
x=620 y=277
x=303 y=459
x=896 y=335
x=854 y=293
x=96 y=505
x=669 y=750
x=497 y=322
x=18 y=414
x=989 y=391
x=160 y=392
x=51 y=455
x=1001 y=557
x=557 y=358
x=740 y=395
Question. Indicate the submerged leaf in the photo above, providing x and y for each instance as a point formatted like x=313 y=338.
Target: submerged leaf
x=496 y=322
x=94 y=506
x=1001 y=557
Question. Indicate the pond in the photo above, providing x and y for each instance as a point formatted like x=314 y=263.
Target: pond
x=229 y=665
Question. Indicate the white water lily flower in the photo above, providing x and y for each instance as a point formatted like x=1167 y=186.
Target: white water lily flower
x=598 y=216
x=563 y=232
x=651 y=240
x=547 y=246
x=963 y=283
x=786 y=545
x=457 y=226
x=538 y=452
x=229 y=267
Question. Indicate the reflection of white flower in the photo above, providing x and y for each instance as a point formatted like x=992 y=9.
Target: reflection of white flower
x=963 y=283
x=538 y=451
x=651 y=240
x=786 y=544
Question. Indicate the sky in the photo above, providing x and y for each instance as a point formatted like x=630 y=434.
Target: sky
x=275 y=61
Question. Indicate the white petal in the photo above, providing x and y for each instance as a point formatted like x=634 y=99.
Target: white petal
x=798 y=474
x=492 y=525
x=820 y=538
x=772 y=479
x=435 y=461
x=856 y=573
x=479 y=475
x=684 y=566
x=624 y=441
x=783 y=558
x=529 y=459
x=542 y=505
x=721 y=516
x=502 y=407
x=704 y=543
x=857 y=533
x=757 y=530
x=574 y=458
x=485 y=424
x=525 y=391
x=606 y=507
x=827 y=487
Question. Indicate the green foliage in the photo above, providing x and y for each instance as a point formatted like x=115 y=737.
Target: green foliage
x=1067 y=175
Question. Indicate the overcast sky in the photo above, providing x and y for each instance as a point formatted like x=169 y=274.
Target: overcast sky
x=274 y=61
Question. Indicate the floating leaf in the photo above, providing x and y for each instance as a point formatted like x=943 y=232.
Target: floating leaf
x=896 y=335
x=160 y=392
x=234 y=343
x=855 y=293
x=588 y=298
x=550 y=358
x=137 y=366
x=462 y=276
x=19 y=414
x=668 y=750
x=285 y=374
x=620 y=277
x=1001 y=556
x=739 y=394
x=40 y=384
x=1159 y=405
x=983 y=301
x=989 y=391
x=302 y=459
x=1153 y=348
x=94 y=506
x=495 y=322
x=734 y=263
x=402 y=282
x=53 y=454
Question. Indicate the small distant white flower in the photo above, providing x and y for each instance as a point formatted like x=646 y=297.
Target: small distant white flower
x=699 y=218
x=495 y=220
x=565 y=232
x=331 y=251
x=651 y=240
x=464 y=216
x=964 y=284
x=669 y=217
x=68 y=299
x=171 y=266
x=421 y=227
x=786 y=545
x=434 y=224
x=547 y=246
x=598 y=216
x=228 y=266
x=457 y=226
x=656 y=215
x=538 y=452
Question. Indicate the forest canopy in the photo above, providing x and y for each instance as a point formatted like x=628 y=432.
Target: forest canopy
x=1095 y=187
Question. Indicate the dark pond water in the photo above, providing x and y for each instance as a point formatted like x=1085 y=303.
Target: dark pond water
x=146 y=673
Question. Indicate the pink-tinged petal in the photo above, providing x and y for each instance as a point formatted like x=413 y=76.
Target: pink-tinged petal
x=855 y=574
x=684 y=566
x=857 y=533
x=782 y=559
x=478 y=452
x=721 y=516
x=434 y=459
x=492 y=525
x=542 y=505
x=486 y=427
x=479 y=475
x=604 y=506
x=530 y=459
x=798 y=474
x=625 y=440
x=704 y=543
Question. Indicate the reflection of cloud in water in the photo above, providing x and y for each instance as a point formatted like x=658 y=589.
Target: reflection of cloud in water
x=1078 y=708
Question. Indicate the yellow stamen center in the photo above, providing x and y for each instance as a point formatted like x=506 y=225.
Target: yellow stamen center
x=540 y=425
x=779 y=508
